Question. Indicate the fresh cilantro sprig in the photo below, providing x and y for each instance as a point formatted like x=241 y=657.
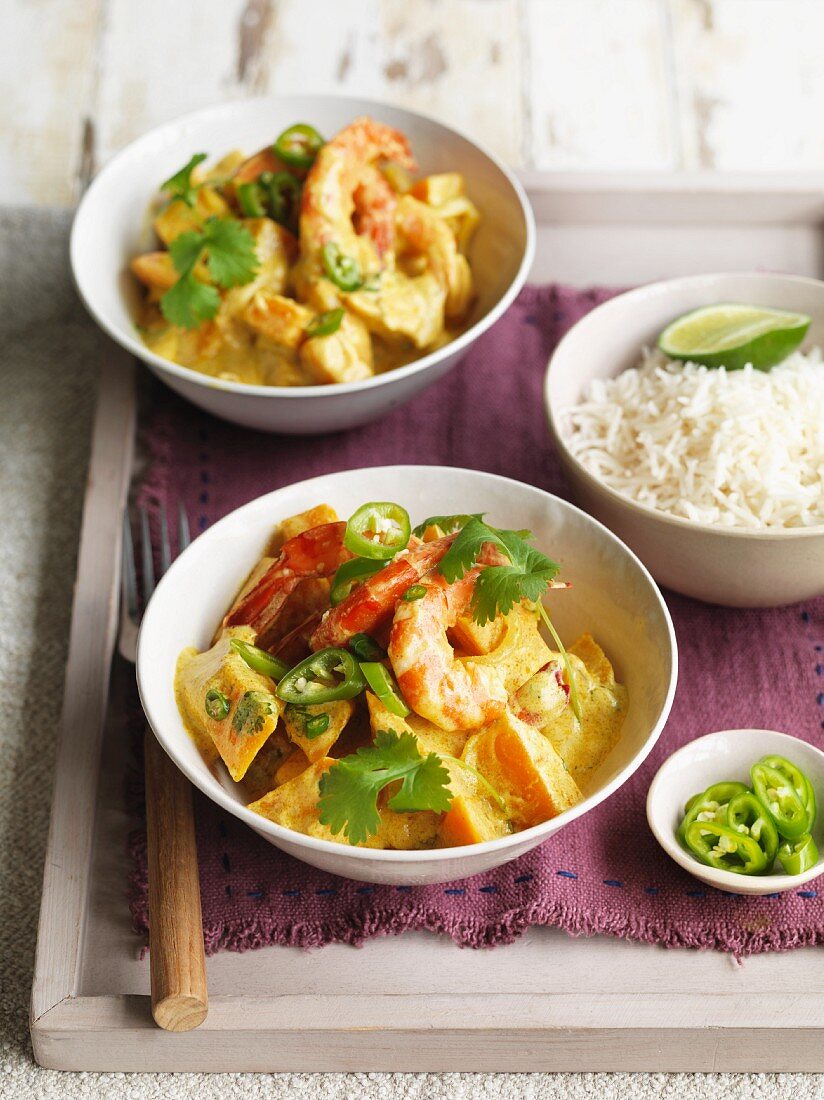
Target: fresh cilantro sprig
x=229 y=249
x=499 y=587
x=180 y=186
x=349 y=789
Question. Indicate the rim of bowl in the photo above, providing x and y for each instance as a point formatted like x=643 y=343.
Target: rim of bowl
x=698 y=870
x=460 y=343
x=330 y=847
x=559 y=440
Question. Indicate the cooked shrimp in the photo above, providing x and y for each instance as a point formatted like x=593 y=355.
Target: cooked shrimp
x=426 y=233
x=375 y=204
x=315 y=553
x=342 y=170
x=452 y=693
x=373 y=602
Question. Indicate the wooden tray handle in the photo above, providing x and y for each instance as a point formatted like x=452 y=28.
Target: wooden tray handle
x=177 y=960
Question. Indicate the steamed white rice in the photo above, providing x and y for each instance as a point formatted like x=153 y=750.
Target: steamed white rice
x=734 y=448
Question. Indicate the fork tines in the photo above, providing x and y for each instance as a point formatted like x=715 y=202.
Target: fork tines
x=133 y=587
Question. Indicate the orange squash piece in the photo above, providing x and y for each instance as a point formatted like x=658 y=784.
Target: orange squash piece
x=524 y=767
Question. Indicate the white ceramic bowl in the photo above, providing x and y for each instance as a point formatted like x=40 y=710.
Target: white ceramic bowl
x=736 y=567
x=711 y=759
x=612 y=595
x=111 y=226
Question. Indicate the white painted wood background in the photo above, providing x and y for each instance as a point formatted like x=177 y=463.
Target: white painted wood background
x=551 y=84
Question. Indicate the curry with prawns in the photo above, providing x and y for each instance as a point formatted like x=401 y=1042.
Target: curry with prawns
x=309 y=263
x=394 y=688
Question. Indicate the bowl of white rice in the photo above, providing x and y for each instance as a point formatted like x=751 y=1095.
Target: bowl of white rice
x=714 y=477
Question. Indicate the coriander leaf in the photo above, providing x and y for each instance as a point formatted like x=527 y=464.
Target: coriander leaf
x=179 y=185
x=186 y=250
x=447 y=524
x=464 y=551
x=498 y=587
x=252 y=710
x=230 y=251
x=231 y=259
x=189 y=302
x=349 y=789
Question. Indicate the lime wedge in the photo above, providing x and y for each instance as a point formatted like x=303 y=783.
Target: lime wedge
x=731 y=335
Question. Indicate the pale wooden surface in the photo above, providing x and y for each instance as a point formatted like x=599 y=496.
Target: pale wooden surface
x=550 y=84
x=548 y=1002
x=94 y=621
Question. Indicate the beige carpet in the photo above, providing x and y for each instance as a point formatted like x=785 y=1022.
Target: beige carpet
x=47 y=371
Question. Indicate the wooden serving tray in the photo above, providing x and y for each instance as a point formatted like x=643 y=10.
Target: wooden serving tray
x=414 y=1002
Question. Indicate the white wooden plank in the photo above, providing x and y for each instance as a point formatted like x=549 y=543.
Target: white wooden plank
x=115 y=1033
x=457 y=60
x=46 y=77
x=94 y=619
x=162 y=59
x=750 y=83
x=598 y=84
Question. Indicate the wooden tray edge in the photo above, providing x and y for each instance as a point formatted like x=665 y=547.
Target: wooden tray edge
x=91 y=643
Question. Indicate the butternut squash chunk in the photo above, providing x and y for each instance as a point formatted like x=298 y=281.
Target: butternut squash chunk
x=523 y=766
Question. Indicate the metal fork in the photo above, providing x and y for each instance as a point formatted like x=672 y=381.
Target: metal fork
x=176 y=956
x=130 y=597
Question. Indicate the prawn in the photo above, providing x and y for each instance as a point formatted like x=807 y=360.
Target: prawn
x=426 y=233
x=317 y=552
x=374 y=209
x=452 y=693
x=373 y=602
x=345 y=183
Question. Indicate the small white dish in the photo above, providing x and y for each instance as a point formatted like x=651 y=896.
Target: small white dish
x=612 y=595
x=729 y=754
x=112 y=225
x=735 y=567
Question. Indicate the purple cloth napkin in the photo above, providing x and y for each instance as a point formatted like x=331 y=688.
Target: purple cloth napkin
x=604 y=872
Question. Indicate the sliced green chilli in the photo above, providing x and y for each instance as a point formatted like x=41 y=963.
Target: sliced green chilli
x=298 y=145
x=324 y=324
x=724 y=848
x=217 y=705
x=378 y=530
x=327 y=675
x=798 y=855
x=350 y=574
x=384 y=685
x=250 y=200
x=284 y=198
x=260 y=660
x=366 y=648
x=343 y=270
x=784 y=804
x=316 y=724
x=799 y=780
x=747 y=814
x=710 y=805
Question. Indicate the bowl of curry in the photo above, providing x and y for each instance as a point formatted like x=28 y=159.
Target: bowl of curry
x=301 y=263
x=396 y=692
